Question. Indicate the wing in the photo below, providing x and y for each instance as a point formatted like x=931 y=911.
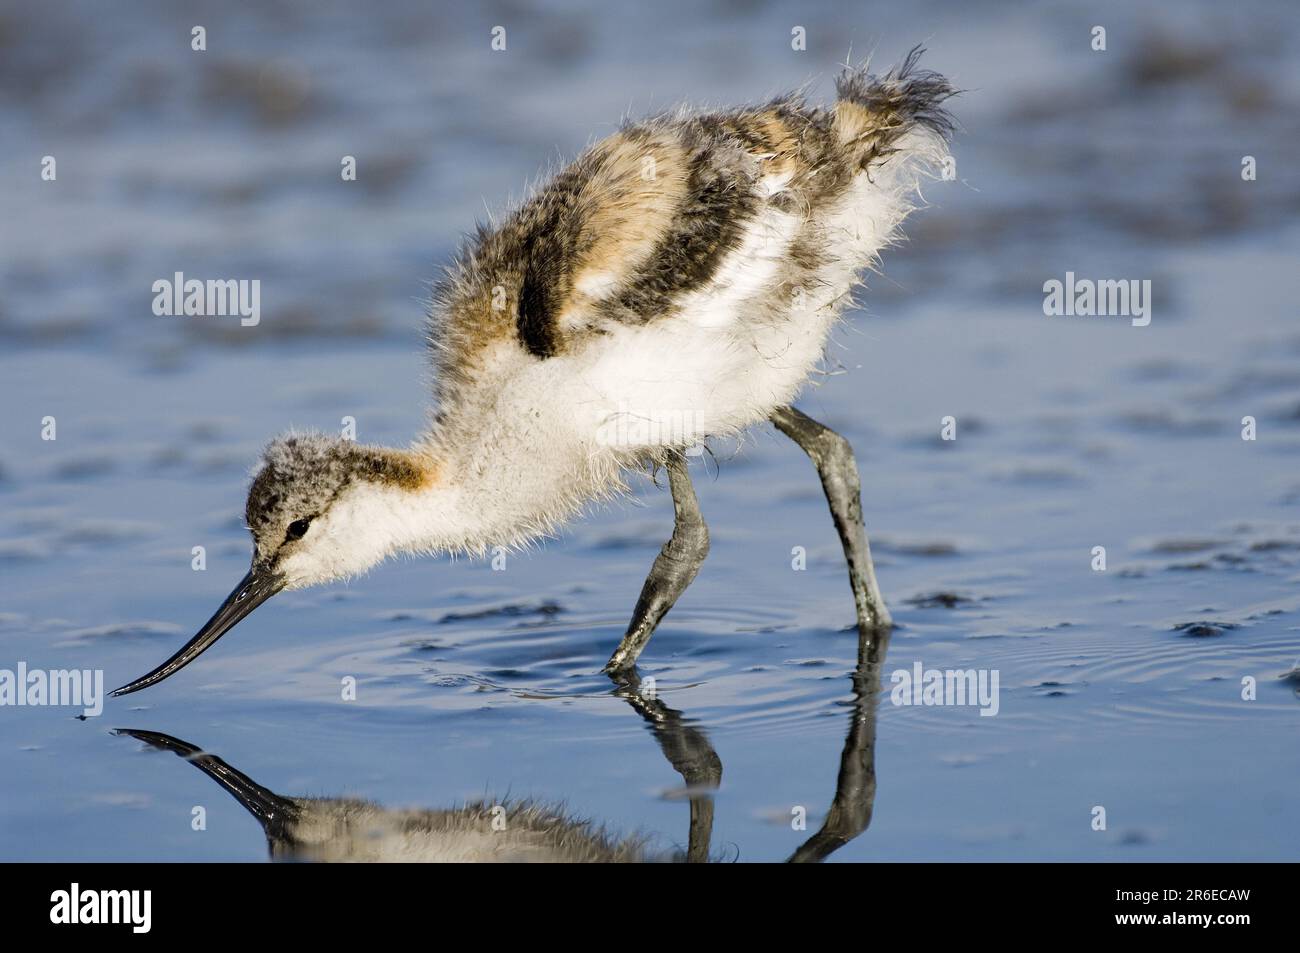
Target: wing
x=668 y=214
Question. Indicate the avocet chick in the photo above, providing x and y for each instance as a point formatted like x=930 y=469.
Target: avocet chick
x=677 y=282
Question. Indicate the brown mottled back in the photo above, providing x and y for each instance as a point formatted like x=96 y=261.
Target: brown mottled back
x=648 y=215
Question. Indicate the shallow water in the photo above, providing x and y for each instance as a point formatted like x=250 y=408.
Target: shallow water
x=1120 y=688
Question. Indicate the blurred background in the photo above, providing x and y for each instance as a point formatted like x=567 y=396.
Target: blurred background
x=1120 y=688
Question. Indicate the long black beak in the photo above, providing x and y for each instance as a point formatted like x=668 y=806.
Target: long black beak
x=259 y=585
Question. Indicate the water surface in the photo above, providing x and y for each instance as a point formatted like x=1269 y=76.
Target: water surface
x=1120 y=689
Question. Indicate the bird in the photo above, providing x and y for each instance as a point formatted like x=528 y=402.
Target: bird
x=676 y=283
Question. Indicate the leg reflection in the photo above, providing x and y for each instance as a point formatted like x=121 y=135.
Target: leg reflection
x=688 y=750
x=855 y=788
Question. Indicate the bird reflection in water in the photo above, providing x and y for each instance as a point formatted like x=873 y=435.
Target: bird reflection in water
x=346 y=829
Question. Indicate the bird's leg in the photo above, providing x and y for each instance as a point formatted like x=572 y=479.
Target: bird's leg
x=673 y=569
x=833 y=457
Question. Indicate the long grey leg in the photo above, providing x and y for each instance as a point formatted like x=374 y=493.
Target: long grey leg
x=673 y=569
x=833 y=457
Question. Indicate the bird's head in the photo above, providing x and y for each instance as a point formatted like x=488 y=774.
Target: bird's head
x=320 y=508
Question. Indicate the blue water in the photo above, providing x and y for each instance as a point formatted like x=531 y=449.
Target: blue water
x=1071 y=433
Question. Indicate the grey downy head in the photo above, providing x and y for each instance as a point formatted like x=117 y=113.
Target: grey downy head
x=319 y=509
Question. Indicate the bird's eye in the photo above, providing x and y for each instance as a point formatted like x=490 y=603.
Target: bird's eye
x=297 y=529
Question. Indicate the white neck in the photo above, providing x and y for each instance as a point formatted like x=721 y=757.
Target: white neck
x=505 y=484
